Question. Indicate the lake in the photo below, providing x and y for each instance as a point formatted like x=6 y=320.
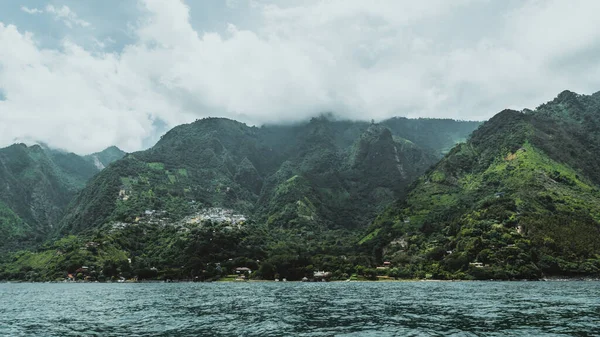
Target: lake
x=302 y=309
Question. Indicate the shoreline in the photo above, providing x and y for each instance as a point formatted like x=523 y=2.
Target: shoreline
x=550 y=279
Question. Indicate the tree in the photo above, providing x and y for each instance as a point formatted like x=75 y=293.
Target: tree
x=266 y=271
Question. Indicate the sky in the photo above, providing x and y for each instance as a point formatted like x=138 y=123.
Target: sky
x=85 y=75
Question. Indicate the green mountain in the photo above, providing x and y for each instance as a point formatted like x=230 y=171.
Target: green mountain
x=36 y=185
x=519 y=199
x=219 y=191
x=322 y=174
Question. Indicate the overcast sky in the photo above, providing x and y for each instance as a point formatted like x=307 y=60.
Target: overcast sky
x=84 y=75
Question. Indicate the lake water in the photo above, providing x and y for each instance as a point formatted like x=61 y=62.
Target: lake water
x=302 y=309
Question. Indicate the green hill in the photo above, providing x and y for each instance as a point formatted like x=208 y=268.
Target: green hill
x=342 y=171
x=520 y=199
x=36 y=185
x=295 y=197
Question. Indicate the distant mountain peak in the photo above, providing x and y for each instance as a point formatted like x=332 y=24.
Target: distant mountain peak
x=112 y=148
x=105 y=157
x=568 y=106
x=566 y=95
x=213 y=121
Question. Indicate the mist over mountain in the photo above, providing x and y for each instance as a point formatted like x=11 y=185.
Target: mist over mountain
x=364 y=146
x=515 y=197
x=326 y=177
x=116 y=73
x=331 y=173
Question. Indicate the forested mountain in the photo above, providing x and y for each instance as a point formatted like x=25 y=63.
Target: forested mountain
x=106 y=157
x=36 y=184
x=520 y=199
x=217 y=189
x=320 y=174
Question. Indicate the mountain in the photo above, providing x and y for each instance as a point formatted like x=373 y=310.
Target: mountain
x=106 y=157
x=36 y=184
x=519 y=199
x=438 y=135
x=332 y=174
x=218 y=193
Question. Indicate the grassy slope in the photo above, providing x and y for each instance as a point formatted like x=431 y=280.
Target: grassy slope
x=498 y=200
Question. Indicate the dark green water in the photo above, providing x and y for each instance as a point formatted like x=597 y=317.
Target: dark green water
x=302 y=309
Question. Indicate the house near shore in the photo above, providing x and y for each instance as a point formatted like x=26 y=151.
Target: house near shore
x=321 y=275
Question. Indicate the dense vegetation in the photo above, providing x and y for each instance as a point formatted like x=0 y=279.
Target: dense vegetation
x=323 y=173
x=309 y=189
x=36 y=184
x=519 y=200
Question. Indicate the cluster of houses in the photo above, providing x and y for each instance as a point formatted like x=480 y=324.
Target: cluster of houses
x=234 y=219
x=216 y=214
x=154 y=217
x=119 y=225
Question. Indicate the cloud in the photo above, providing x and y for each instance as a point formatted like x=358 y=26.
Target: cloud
x=463 y=59
x=31 y=10
x=67 y=16
x=232 y=4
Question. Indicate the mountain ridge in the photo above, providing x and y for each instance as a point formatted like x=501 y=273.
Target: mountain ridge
x=215 y=153
x=219 y=189
x=519 y=200
x=37 y=184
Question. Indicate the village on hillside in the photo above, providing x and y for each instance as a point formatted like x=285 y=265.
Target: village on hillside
x=235 y=220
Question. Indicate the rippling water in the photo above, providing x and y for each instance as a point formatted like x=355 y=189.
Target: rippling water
x=302 y=309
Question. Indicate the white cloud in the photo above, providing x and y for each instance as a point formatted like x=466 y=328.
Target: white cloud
x=67 y=16
x=31 y=10
x=232 y=4
x=460 y=59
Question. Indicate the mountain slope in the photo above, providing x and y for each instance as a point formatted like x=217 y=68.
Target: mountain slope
x=216 y=194
x=520 y=199
x=345 y=170
x=36 y=184
x=106 y=157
